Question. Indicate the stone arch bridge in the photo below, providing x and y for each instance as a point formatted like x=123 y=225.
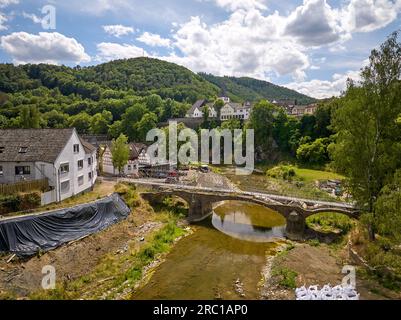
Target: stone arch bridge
x=202 y=200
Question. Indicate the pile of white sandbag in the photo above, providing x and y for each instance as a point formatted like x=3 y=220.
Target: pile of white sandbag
x=327 y=293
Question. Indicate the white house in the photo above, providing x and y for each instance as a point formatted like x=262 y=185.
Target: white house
x=235 y=111
x=137 y=157
x=59 y=155
x=197 y=109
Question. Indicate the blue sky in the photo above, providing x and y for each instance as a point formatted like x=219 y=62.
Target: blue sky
x=312 y=46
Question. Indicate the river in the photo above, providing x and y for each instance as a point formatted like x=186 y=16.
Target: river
x=222 y=259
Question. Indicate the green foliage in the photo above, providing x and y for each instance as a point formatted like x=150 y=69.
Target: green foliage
x=30 y=117
x=287 y=277
x=231 y=124
x=330 y=222
x=282 y=172
x=314 y=242
x=19 y=202
x=81 y=122
x=148 y=76
x=100 y=122
x=147 y=123
x=240 y=89
x=388 y=209
x=262 y=121
x=387 y=265
x=315 y=152
x=120 y=152
x=368 y=141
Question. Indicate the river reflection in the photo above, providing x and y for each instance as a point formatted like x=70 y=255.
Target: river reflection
x=231 y=246
x=248 y=222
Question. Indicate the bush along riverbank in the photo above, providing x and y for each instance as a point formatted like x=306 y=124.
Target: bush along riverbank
x=107 y=265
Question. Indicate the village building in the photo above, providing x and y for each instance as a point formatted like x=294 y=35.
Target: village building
x=230 y=110
x=197 y=109
x=60 y=157
x=241 y=111
x=137 y=157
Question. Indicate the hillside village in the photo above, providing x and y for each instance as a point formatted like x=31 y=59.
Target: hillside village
x=242 y=111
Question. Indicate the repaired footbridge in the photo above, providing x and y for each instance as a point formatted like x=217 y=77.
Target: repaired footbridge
x=202 y=200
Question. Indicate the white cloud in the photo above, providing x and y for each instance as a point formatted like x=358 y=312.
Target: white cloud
x=118 y=30
x=234 y=5
x=248 y=43
x=5 y=3
x=370 y=15
x=321 y=89
x=154 y=40
x=53 y=48
x=112 y=51
x=314 y=23
x=32 y=16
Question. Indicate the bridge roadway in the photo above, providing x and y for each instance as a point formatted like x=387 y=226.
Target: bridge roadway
x=291 y=201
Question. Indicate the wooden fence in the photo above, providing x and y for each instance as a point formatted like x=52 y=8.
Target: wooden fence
x=24 y=186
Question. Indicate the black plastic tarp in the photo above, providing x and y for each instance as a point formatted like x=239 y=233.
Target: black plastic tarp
x=26 y=236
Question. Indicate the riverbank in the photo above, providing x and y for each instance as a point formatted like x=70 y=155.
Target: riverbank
x=304 y=264
x=105 y=265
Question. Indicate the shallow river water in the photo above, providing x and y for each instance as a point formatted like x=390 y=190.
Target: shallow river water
x=222 y=259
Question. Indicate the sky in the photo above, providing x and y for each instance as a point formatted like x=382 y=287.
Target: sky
x=311 y=46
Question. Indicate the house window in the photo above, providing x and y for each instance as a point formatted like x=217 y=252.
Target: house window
x=80 y=164
x=23 y=150
x=76 y=148
x=64 y=168
x=2 y=149
x=89 y=161
x=90 y=176
x=21 y=171
x=65 y=186
x=80 y=180
x=1 y=171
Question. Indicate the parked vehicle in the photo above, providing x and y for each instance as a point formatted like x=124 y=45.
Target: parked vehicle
x=161 y=175
x=173 y=173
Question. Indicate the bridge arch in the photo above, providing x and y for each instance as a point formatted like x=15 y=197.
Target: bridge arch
x=201 y=206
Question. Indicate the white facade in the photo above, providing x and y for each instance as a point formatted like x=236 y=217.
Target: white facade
x=235 y=111
x=225 y=99
x=73 y=172
x=76 y=169
x=131 y=168
x=199 y=113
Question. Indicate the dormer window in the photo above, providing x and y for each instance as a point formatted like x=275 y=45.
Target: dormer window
x=23 y=150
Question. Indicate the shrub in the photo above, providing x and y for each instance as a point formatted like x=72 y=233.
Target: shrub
x=129 y=194
x=19 y=202
x=287 y=277
x=315 y=152
x=328 y=222
x=30 y=201
x=282 y=172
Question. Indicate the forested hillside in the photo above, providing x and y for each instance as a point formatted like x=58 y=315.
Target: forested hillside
x=143 y=76
x=124 y=96
x=239 y=89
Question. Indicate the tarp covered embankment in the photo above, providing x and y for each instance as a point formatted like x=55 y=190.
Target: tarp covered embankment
x=26 y=236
